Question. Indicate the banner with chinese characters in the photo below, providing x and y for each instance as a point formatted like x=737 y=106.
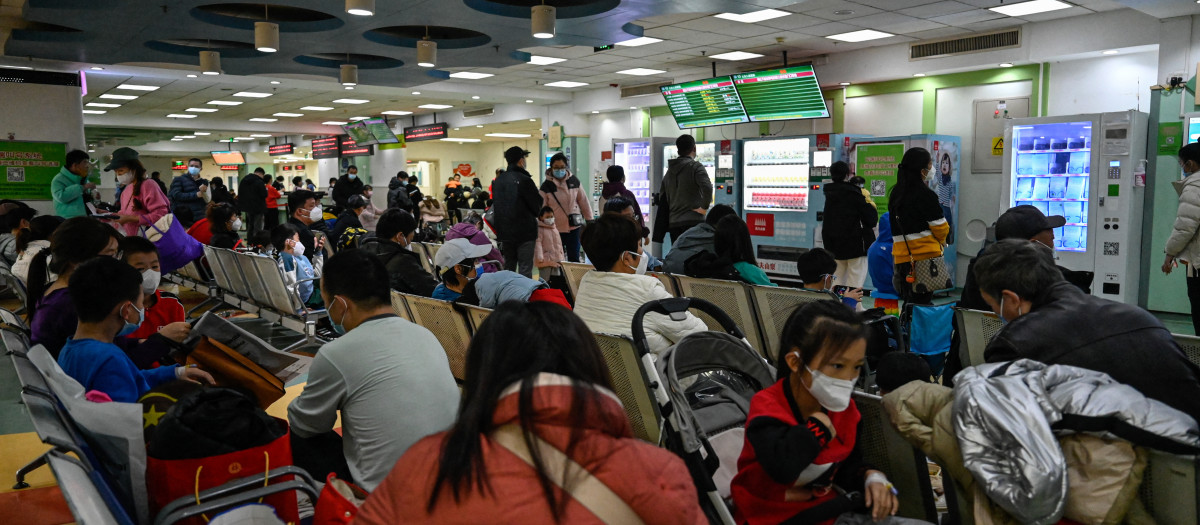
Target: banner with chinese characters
x=29 y=167
x=466 y=169
x=878 y=164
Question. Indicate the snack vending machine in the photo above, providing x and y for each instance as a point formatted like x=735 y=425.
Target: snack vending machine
x=1082 y=168
x=638 y=157
x=781 y=196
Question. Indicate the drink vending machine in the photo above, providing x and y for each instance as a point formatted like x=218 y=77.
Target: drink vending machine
x=1082 y=168
x=719 y=159
x=639 y=157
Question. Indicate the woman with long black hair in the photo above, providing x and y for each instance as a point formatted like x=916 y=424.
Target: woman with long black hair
x=919 y=230
x=141 y=204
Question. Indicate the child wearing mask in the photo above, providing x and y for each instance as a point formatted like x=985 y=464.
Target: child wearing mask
x=298 y=272
x=548 y=251
x=162 y=308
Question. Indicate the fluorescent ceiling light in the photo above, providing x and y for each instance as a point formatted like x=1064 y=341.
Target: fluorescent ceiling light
x=201 y=133
x=288 y=115
x=350 y=101
x=640 y=41
x=201 y=110
x=528 y=101
x=97 y=68
x=736 y=55
x=416 y=92
x=397 y=113
x=754 y=17
x=244 y=138
x=94 y=112
x=16 y=67
x=180 y=115
x=461 y=140
x=176 y=140
x=261 y=136
x=470 y=75
x=640 y=72
x=566 y=84
x=1030 y=8
x=185 y=136
x=918 y=75
x=118 y=97
x=594 y=112
x=860 y=36
x=260 y=119
x=135 y=87
x=102 y=105
x=190 y=75
x=1006 y=64
x=533 y=120
x=479 y=125
x=435 y=106
x=509 y=135
x=251 y=94
x=544 y=61
x=474 y=97
x=335 y=123
x=274 y=81
x=845 y=84
x=1110 y=52
x=316 y=108
x=224 y=103
x=356 y=119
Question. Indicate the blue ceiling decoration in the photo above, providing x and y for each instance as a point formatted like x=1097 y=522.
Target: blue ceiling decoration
x=446 y=37
x=335 y=60
x=243 y=16
x=190 y=47
x=564 y=9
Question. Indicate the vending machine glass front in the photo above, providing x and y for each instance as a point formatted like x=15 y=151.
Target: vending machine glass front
x=776 y=175
x=635 y=158
x=706 y=154
x=1051 y=170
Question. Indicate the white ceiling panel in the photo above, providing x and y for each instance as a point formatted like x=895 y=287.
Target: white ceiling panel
x=895 y=5
x=968 y=17
x=832 y=28
x=937 y=9
x=1061 y=13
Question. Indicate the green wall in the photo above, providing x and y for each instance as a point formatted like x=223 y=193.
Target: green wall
x=1163 y=293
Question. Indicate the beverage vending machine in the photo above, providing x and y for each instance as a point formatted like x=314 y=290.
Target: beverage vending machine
x=1082 y=168
x=639 y=157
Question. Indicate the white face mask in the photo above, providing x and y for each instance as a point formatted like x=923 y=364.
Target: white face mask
x=643 y=263
x=549 y=221
x=316 y=214
x=237 y=224
x=150 y=280
x=831 y=393
x=298 y=248
x=125 y=179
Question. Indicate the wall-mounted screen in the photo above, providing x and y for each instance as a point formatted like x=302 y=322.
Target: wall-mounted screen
x=710 y=102
x=325 y=147
x=781 y=94
x=359 y=133
x=380 y=131
x=228 y=157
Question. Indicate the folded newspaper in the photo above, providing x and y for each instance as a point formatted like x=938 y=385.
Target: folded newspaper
x=283 y=365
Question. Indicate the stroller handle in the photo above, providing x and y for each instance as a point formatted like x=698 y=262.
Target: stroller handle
x=675 y=308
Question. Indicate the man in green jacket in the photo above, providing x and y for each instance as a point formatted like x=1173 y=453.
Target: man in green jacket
x=70 y=185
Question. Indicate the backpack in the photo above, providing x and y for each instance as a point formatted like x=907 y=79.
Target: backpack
x=350 y=238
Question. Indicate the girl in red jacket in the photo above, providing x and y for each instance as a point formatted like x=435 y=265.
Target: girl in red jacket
x=800 y=462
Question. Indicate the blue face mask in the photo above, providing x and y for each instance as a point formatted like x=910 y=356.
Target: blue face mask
x=338 y=327
x=352 y=176
x=129 y=327
x=558 y=174
x=1003 y=321
x=193 y=171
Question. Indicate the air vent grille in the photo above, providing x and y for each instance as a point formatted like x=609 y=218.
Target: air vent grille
x=486 y=112
x=639 y=91
x=961 y=46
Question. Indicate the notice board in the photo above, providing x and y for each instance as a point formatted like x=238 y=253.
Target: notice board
x=29 y=167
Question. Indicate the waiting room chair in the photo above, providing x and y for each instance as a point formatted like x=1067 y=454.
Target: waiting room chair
x=14 y=285
x=668 y=282
x=475 y=315
x=730 y=296
x=774 y=305
x=400 y=306
x=1190 y=345
x=1169 y=488
x=904 y=465
x=82 y=495
x=632 y=386
x=574 y=273
x=447 y=325
x=976 y=329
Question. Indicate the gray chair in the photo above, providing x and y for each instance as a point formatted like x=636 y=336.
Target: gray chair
x=448 y=326
x=14 y=285
x=632 y=386
x=1169 y=488
x=236 y=493
x=238 y=282
x=222 y=276
x=730 y=296
x=774 y=305
x=668 y=282
x=976 y=329
x=574 y=272
x=904 y=465
x=475 y=315
x=280 y=302
x=1190 y=345
x=83 y=497
x=400 y=306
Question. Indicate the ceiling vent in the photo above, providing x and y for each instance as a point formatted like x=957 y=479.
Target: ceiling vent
x=640 y=91
x=485 y=112
x=1008 y=38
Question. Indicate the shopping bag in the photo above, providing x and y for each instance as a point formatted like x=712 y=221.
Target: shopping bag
x=175 y=247
x=338 y=503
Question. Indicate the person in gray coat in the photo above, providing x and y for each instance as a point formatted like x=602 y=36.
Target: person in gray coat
x=699 y=238
x=687 y=189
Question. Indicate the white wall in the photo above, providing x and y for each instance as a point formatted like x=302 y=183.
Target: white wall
x=1108 y=83
x=486 y=157
x=884 y=115
x=44 y=113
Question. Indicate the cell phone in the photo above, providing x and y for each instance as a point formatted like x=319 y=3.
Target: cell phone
x=841 y=290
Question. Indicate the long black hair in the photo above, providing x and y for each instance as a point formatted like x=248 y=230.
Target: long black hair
x=75 y=241
x=139 y=176
x=517 y=342
x=909 y=180
x=219 y=216
x=732 y=240
x=818 y=328
x=40 y=228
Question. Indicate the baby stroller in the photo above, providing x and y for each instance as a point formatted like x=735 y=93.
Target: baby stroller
x=703 y=386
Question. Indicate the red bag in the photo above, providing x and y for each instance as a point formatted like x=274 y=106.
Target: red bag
x=168 y=480
x=338 y=503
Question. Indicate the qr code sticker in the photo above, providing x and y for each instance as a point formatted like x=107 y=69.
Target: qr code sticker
x=879 y=188
x=1112 y=248
x=16 y=174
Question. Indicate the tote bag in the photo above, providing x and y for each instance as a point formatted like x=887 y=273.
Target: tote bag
x=175 y=247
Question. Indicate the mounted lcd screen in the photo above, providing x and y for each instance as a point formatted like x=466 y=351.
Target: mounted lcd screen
x=228 y=158
x=281 y=149
x=325 y=148
x=359 y=133
x=781 y=94
x=428 y=132
x=380 y=131
x=711 y=102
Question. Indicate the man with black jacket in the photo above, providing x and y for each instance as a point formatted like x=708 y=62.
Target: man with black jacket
x=517 y=204
x=687 y=189
x=346 y=186
x=303 y=211
x=849 y=226
x=414 y=195
x=252 y=199
x=397 y=195
x=1052 y=321
x=394 y=233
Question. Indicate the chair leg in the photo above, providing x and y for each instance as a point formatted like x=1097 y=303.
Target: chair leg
x=37 y=463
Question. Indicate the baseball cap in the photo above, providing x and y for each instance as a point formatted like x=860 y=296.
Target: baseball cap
x=1023 y=222
x=120 y=157
x=455 y=251
x=515 y=153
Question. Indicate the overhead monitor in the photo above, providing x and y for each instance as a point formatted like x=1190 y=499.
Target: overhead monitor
x=359 y=133
x=228 y=158
x=350 y=148
x=281 y=149
x=325 y=147
x=380 y=131
x=709 y=102
x=436 y=131
x=781 y=94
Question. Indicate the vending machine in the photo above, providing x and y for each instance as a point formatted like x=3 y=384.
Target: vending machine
x=1082 y=168
x=639 y=157
x=718 y=158
x=781 y=197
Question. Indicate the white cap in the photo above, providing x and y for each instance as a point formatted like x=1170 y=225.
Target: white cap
x=455 y=251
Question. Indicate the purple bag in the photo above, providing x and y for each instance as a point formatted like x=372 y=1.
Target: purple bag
x=175 y=247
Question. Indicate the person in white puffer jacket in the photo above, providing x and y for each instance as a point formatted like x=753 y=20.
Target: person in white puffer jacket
x=609 y=297
x=1184 y=244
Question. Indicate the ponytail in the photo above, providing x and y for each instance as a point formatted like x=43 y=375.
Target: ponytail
x=24 y=237
x=36 y=282
x=77 y=240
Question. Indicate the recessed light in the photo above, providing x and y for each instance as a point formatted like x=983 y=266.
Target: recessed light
x=176 y=140
x=566 y=84
x=191 y=75
x=350 y=101
x=843 y=12
x=845 y=83
x=224 y=102
x=350 y=88
x=470 y=75
x=356 y=119
x=632 y=107
x=91 y=151
x=736 y=55
x=544 y=61
x=640 y=72
x=274 y=81
x=396 y=113
x=527 y=101
x=260 y=136
x=455 y=129
x=201 y=133
x=1114 y=51
x=435 y=106
x=335 y=123
x=461 y=140
x=244 y=138
x=509 y=135
x=251 y=94
x=533 y=120
x=1030 y=8
x=94 y=111
x=594 y=112
x=136 y=87
x=416 y=92
x=288 y=115
x=185 y=136
x=102 y=105
x=918 y=75
x=1006 y=64
x=640 y=41
x=860 y=36
x=260 y=119
x=479 y=125
x=474 y=97
x=316 y=108
x=201 y=110
x=754 y=17
x=211 y=73
x=97 y=68
x=118 y=97
x=180 y=115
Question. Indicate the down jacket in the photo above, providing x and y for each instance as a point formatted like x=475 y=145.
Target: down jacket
x=548 y=251
x=698 y=238
x=607 y=301
x=653 y=481
x=1183 y=242
x=1006 y=416
x=566 y=197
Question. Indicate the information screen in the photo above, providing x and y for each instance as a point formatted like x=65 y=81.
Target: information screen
x=359 y=133
x=325 y=148
x=380 y=130
x=281 y=149
x=710 y=102
x=781 y=94
x=228 y=157
x=429 y=132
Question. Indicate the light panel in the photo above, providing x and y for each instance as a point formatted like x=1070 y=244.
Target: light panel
x=136 y=87
x=640 y=72
x=1030 y=8
x=435 y=106
x=754 y=17
x=860 y=36
x=251 y=94
x=566 y=84
x=350 y=101
x=544 y=61
x=201 y=110
x=470 y=75
x=736 y=55
x=640 y=41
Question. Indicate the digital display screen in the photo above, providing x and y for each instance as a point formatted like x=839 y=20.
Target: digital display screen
x=380 y=131
x=281 y=149
x=350 y=148
x=325 y=148
x=179 y=165
x=781 y=94
x=430 y=132
x=228 y=157
x=710 y=102
x=359 y=133
x=1193 y=130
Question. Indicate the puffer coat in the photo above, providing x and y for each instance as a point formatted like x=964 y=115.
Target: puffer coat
x=1183 y=243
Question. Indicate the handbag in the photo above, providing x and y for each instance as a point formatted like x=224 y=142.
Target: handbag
x=176 y=248
x=574 y=220
x=338 y=503
x=230 y=368
x=925 y=276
